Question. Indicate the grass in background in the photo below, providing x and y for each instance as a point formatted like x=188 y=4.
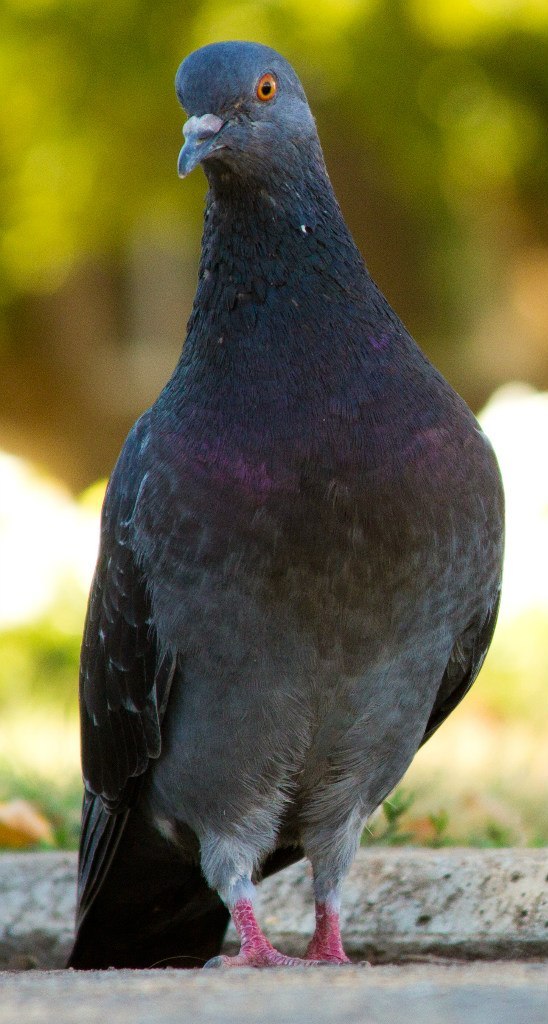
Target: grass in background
x=39 y=763
x=39 y=732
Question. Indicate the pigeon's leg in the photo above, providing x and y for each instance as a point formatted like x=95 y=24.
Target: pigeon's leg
x=331 y=852
x=326 y=943
x=255 y=949
x=228 y=868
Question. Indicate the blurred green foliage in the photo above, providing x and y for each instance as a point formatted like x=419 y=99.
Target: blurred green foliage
x=514 y=680
x=407 y=818
x=59 y=800
x=436 y=111
x=43 y=660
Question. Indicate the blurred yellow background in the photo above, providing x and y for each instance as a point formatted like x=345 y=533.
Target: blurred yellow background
x=433 y=118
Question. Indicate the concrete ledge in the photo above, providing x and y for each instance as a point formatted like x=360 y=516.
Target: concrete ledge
x=399 y=904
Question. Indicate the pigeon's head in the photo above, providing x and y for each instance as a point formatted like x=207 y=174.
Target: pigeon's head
x=248 y=113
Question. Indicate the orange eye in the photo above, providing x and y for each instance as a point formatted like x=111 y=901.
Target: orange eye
x=266 y=87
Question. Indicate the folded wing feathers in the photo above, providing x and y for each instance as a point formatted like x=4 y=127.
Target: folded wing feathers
x=124 y=680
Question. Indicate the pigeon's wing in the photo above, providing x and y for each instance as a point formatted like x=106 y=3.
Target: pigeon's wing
x=124 y=677
x=464 y=664
x=146 y=906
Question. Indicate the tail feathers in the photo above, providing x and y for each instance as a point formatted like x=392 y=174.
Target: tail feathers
x=151 y=908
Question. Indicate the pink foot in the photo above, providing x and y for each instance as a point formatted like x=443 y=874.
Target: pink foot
x=326 y=944
x=256 y=950
x=267 y=957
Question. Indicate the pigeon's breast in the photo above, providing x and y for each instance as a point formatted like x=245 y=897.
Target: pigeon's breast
x=325 y=550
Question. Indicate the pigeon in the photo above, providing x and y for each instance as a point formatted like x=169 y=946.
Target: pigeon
x=299 y=568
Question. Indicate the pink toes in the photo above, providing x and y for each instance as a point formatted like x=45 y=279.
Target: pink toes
x=265 y=956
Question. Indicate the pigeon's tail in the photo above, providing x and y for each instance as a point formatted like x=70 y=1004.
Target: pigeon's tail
x=141 y=905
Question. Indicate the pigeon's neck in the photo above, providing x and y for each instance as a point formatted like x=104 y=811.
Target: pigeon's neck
x=289 y=343
x=278 y=267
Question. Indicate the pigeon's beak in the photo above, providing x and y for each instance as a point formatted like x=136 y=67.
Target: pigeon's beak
x=200 y=139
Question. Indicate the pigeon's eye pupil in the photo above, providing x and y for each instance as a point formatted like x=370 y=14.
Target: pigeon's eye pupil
x=266 y=87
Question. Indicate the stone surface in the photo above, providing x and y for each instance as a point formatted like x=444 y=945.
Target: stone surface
x=37 y=898
x=478 y=993
x=398 y=904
